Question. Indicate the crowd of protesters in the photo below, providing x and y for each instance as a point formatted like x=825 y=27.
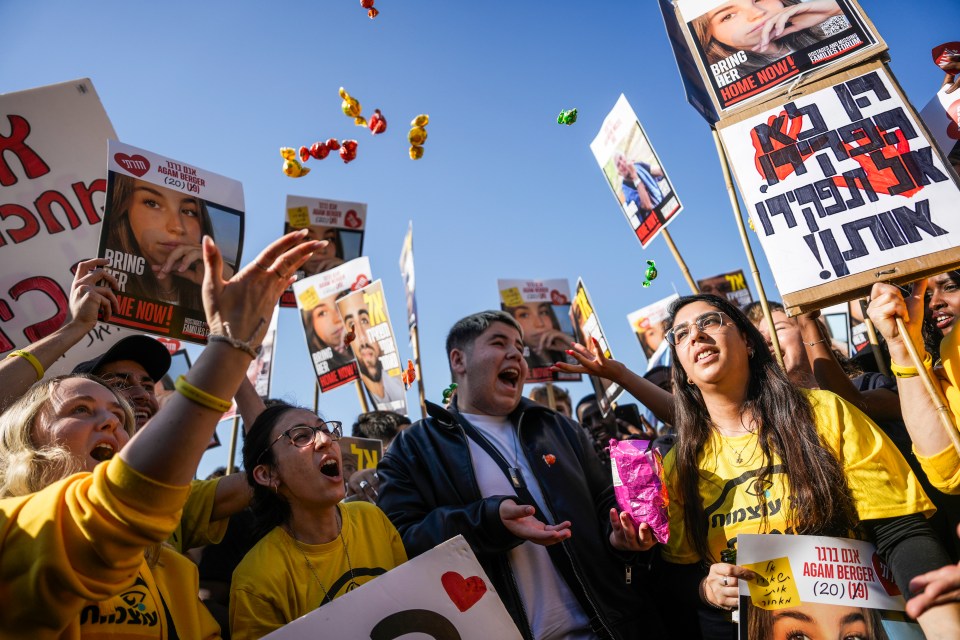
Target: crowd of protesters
x=99 y=509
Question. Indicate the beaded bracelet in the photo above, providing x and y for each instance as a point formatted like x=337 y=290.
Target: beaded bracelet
x=32 y=359
x=200 y=396
x=901 y=371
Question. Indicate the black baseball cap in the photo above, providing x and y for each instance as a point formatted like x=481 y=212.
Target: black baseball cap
x=144 y=350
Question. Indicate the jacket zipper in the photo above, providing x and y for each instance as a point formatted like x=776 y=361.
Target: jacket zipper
x=513 y=579
x=563 y=544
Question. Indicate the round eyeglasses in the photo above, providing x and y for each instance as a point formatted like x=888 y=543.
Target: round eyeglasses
x=709 y=322
x=303 y=435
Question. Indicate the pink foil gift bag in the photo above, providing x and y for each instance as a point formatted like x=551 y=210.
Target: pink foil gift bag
x=638 y=484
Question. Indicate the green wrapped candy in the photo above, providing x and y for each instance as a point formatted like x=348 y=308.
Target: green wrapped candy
x=567 y=117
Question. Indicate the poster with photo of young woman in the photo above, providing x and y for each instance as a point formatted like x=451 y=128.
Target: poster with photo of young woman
x=157 y=212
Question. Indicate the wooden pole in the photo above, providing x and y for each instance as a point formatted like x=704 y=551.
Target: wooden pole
x=233 y=444
x=875 y=347
x=728 y=179
x=361 y=392
x=680 y=262
x=551 y=398
x=932 y=387
x=316 y=397
x=421 y=389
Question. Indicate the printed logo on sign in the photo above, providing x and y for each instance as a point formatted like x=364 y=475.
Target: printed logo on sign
x=136 y=164
x=352 y=220
x=558 y=298
x=360 y=283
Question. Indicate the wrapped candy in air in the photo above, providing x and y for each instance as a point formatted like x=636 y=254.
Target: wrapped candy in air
x=638 y=485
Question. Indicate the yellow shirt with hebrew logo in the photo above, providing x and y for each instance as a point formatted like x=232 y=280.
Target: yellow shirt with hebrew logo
x=880 y=481
x=273 y=585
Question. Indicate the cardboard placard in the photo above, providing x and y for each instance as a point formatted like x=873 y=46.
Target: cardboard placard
x=647 y=325
x=818 y=587
x=542 y=307
x=323 y=328
x=726 y=40
x=157 y=212
x=732 y=286
x=442 y=594
x=359 y=454
x=374 y=346
x=341 y=223
x=845 y=189
x=586 y=327
x=634 y=173
x=52 y=193
x=942 y=117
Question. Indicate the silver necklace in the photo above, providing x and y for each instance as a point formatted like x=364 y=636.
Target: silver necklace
x=352 y=584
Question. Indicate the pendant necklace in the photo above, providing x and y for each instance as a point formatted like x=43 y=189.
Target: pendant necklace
x=351 y=585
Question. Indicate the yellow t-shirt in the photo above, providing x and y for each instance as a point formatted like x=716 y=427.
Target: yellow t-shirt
x=195 y=528
x=273 y=585
x=881 y=482
x=943 y=468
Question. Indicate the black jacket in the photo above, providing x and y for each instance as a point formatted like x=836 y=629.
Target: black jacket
x=429 y=491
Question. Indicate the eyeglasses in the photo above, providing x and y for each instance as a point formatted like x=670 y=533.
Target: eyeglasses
x=304 y=435
x=709 y=322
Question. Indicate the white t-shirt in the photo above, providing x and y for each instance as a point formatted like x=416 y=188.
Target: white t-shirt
x=552 y=609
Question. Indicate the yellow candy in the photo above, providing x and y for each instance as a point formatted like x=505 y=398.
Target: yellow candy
x=360 y=121
x=416 y=152
x=421 y=120
x=417 y=136
x=294 y=169
x=288 y=153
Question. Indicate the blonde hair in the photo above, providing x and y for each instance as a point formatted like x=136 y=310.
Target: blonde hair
x=25 y=467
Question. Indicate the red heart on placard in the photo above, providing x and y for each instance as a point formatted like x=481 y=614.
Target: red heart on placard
x=136 y=164
x=360 y=283
x=352 y=220
x=463 y=592
x=172 y=344
x=885 y=576
x=557 y=298
x=943 y=52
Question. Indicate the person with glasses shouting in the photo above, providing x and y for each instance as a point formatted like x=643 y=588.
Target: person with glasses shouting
x=314 y=547
x=756 y=454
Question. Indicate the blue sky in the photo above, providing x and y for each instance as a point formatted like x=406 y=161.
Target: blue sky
x=502 y=190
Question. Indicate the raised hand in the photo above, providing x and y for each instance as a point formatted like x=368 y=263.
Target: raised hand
x=626 y=536
x=795 y=18
x=92 y=296
x=519 y=520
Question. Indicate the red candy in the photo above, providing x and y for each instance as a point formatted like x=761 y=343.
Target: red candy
x=304 y=154
x=332 y=144
x=377 y=123
x=319 y=150
x=366 y=4
x=348 y=150
x=373 y=13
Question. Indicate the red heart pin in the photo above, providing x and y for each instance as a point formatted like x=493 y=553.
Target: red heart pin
x=885 y=576
x=360 y=283
x=557 y=298
x=463 y=592
x=136 y=164
x=352 y=220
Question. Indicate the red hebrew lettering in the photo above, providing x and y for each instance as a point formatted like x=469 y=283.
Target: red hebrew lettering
x=85 y=196
x=44 y=205
x=32 y=163
x=50 y=287
x=6 y=315
x=30 y=226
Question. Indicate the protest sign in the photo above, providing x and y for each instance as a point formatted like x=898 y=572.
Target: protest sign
x=647 y=324
x=844 y=189
x=323 y=328
x=157 y=212
x=442 y=594
x=817 y=586
x=542 y=307
x=342 y=224
x=364 y=312
x=743 y=60
x=732 y=286
x=634 y=173
x=52 y=192
x=942 y=117
x=586 y=328
x=409 y=280
x=359 y=454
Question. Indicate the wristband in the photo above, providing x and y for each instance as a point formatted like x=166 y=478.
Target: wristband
x=901 y=371
x=32 y=359
x=236 y=344
x=201 y=397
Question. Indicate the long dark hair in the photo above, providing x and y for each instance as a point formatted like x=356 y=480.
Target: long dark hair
x=716 y=51
x=120 y=237
x=269 y=507
x=821 y=502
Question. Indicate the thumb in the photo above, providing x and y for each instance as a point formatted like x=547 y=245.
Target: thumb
x=510 y=510
x=213 y=265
